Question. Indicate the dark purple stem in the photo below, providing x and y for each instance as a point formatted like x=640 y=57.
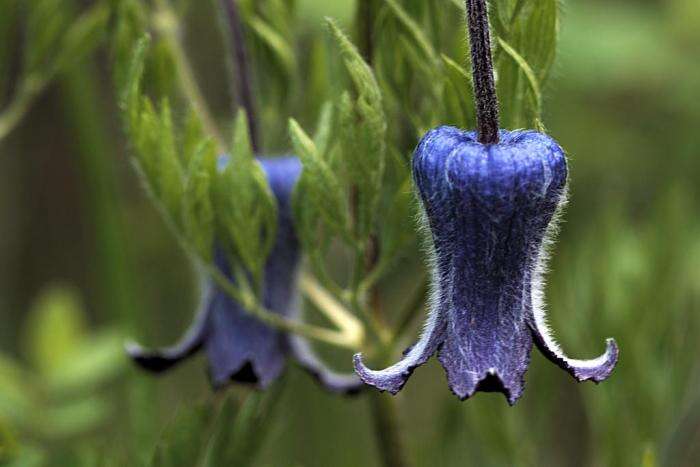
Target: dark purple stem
x=482 y=71
x=239 y=60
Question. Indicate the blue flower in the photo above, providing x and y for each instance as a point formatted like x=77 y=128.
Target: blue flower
x=239 y=347
x=490 y=210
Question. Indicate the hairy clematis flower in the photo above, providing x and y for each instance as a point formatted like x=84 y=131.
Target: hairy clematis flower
x=240 y=347
x=489 y=208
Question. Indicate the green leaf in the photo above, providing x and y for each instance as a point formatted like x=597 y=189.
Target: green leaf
x=169 y=169
x=460 y=94
x=130 y=93
x=97 y=360
x=153 y=136
x=319 y=194
x=131 y=21
x=240 y=431
x=74 y=418
x=528 y=31
x=527 y=71
x=413 y=31
x=324 y=130
x=363 y=131
x=84 y=36
x=184 y=440
x=246 y=206
x=277 y=44
x=55 y=328
x=17 y=392
x=539 y=44
x=221 y=449
x=46 y=22
x=199 y=220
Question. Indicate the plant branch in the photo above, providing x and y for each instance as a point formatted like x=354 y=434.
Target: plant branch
x=330 y=307
x=482 y=70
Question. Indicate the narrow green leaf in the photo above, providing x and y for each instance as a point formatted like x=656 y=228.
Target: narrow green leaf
x=527 y=71
x=460 y=84
x=322 y=193
x=324 y=129
x=170 y=174
x=363 y=125
x=240 y=430
x=130 y=26
x=130 y=93
x=279 y=46
x=183 y=444
x=539 y=43
x=413 y=30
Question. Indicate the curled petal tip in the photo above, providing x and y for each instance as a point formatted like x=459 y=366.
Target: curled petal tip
x=598 y=369
x=384 y=380
x=603 y=366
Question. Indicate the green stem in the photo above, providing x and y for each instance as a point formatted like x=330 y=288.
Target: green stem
x=20 y=105
x=167 y=25
x=387 y=427
x=96 y=159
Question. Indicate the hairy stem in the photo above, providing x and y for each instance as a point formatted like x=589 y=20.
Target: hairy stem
x=242 y=84
x=482 y=71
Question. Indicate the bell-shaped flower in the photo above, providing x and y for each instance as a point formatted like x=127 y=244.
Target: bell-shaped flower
x=490 y=210
x=239 y=346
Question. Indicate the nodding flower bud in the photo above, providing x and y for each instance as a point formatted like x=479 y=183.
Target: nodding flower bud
x=240 y=347
x=490 y=208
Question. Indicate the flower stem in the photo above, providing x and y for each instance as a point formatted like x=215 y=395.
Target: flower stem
x=482 y=71
x=386 y=424
x=241 y=70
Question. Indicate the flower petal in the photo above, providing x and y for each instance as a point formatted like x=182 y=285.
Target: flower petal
x=331 y=380
x=240 y=347
x=393 y=378
x=160 y=360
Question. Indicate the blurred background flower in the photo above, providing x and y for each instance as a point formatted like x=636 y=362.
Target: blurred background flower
x=622 y=100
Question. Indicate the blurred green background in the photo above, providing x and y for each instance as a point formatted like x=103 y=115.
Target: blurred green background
x=85 y=262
